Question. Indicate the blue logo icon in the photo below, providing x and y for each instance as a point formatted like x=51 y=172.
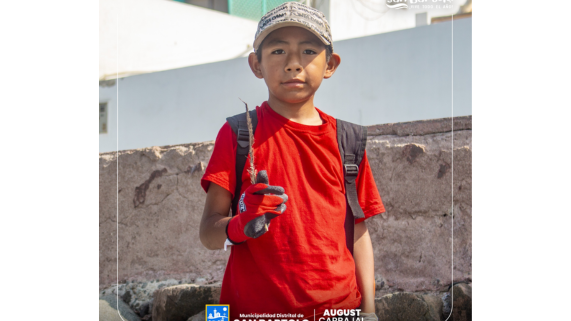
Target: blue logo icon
x=217 y=312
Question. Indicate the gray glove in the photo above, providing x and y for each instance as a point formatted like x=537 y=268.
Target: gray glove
x=258 y=226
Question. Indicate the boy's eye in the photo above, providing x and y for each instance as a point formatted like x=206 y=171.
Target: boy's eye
x=306 y=51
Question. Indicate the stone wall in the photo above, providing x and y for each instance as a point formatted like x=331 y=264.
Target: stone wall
x=160 y=205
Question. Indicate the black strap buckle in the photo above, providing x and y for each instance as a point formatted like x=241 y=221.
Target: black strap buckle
x=351 y=170
x=243 y=137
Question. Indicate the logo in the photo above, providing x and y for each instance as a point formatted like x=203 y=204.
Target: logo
x=241 y=203
x=397 y=4
x=217 y=312
x=419 y=4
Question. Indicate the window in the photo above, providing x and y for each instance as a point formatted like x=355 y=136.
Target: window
x=103 y=118
x=218 y=5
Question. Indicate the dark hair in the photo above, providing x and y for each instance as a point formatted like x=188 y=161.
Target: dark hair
x=328 y=52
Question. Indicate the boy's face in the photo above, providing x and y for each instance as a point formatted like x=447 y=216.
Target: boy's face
x=293 y=53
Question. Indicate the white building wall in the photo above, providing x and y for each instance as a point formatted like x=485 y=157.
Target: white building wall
x=391 y=77
x=358 y=18
x=108 y=94
x=141 y=36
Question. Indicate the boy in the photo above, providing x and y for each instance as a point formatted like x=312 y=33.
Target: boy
x=301 y=264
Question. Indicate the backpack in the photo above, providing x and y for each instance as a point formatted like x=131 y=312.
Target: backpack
x=351 y=139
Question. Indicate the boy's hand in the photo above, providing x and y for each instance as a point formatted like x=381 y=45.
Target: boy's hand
x=256 y=207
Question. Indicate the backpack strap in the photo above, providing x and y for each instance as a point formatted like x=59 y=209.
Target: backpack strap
x=239 y=126
x=352 y=140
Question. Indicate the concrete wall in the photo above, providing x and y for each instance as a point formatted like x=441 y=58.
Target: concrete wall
x=160 y=205
x=393 y=77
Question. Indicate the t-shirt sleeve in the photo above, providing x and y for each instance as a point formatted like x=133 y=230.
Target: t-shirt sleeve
x=222 y=165
x=367 y=192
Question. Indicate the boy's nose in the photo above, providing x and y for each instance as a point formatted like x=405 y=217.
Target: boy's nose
x=293 y=64
x=297 y=68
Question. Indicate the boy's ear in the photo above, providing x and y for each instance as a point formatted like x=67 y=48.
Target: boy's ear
x=255 y=65
x=332 y=65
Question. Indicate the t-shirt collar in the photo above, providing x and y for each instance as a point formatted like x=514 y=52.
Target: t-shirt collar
x=326 y=126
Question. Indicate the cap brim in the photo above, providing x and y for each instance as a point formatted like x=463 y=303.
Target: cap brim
x=267 y=31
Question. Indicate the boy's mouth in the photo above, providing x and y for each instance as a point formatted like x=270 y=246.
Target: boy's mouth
x=294 y=83
x=294 y=80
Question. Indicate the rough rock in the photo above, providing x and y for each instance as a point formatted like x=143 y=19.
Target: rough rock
x=462 y=308
x=145 y=308
x=108 y=310
x=447 y=305
x=379 y=282
x=408 y=307
x=421 y=127
x=179 y=302
x=137 y=294
x=198 y=317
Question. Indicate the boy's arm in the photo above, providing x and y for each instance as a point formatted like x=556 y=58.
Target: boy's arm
x=364 y=267
x=215 y=217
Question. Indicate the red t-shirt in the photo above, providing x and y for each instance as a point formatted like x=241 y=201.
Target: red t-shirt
x=302 y=263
